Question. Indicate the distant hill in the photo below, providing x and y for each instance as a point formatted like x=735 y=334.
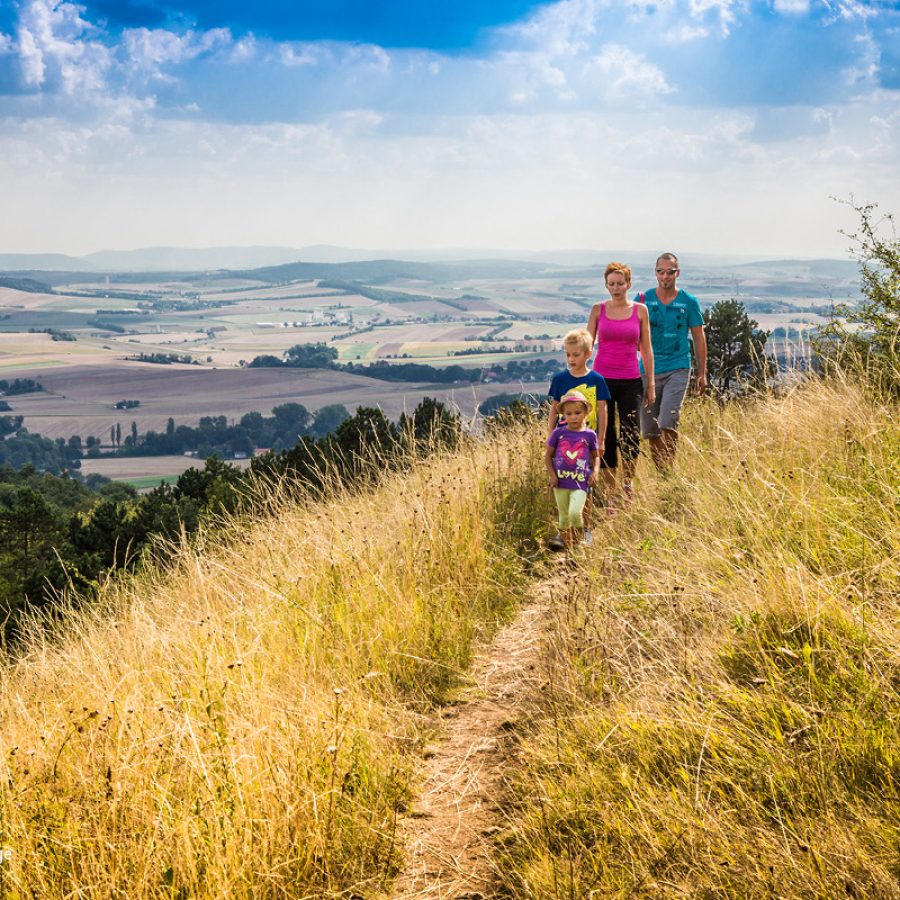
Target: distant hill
x=205 y=259
x=29 y=285
x=35 y=262
x=372 y=271
x=152 y=259
x=823 y=268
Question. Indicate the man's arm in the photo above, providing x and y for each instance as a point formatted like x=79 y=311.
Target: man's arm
x=699 y=338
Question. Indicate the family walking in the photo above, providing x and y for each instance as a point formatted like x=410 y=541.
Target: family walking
x=634 y=388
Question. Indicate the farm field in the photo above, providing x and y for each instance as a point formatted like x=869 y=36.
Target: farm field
x=80 y=399
x=222 y=321
x=146 y=472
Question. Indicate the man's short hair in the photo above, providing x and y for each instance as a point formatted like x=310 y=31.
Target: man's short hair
x=667 y=255
x=580 y=337
x=618 y=267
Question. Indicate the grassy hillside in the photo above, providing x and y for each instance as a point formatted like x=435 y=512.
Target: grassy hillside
x=245 y=724
x=720 y=715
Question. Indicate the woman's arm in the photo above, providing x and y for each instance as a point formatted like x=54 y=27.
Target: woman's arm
x=601 y=423
x=595 y=453
x=593 y=318
x=646 y=349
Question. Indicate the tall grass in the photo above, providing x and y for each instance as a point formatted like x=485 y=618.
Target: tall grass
x=242 y=722
x=721 y=715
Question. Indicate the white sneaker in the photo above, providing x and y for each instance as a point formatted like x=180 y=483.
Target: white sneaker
x=587 y=538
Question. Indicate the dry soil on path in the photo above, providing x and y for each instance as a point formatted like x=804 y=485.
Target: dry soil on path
x=448 y=834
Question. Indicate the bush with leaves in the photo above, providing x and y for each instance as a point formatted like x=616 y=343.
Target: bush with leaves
x=867 y=333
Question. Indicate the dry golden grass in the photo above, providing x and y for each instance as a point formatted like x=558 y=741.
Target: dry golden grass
x=244 y=723
x=722 y=711
x=720 y=715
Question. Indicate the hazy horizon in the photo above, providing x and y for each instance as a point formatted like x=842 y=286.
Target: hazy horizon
x=259 y=256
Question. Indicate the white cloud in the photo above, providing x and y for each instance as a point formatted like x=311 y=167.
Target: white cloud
x=151 y=51
x=557 y=29
x=55 y=51
x=685 y=33
x=244 y=49
x=292 y=55
x=863 y=74
x=723 y=10
x=368 y=55
x=624 y=73
x=31 y=59
x=792 y=7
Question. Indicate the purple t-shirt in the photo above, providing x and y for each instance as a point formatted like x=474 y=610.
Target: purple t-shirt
x=572 y=457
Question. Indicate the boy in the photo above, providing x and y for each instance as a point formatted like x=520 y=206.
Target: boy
x=572 y=458
x=576 y=376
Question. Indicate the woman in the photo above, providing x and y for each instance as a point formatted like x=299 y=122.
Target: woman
x=621 y=329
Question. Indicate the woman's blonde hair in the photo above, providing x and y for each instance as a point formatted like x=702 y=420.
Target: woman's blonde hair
x=618 y=267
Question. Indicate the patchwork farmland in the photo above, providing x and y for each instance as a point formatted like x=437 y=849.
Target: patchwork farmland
x=81 y=339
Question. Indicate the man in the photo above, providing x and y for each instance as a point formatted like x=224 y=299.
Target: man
x=675 y=321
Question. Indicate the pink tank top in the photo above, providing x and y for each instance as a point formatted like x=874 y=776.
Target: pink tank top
x=618 y=341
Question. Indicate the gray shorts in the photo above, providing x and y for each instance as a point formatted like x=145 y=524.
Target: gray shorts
x=666 y=410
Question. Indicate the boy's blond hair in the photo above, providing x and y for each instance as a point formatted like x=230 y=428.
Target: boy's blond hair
x=580 y=337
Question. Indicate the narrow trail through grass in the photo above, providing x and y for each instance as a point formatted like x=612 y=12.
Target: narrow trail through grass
x=448 y=834
x=708 y=706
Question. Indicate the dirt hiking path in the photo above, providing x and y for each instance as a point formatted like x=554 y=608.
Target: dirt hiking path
x=448 y=833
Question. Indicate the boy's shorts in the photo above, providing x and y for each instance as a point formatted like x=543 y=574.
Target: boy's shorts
x=671 y=388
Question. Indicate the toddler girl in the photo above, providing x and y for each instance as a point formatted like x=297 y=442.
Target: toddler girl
x=572 y=458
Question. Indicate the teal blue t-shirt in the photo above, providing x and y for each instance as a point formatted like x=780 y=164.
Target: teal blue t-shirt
x=670 y=329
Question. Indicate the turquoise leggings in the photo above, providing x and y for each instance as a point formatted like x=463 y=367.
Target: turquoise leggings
x=571 y=507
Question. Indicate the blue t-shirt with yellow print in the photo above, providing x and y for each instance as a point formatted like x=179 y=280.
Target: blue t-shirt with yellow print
x=592 y=385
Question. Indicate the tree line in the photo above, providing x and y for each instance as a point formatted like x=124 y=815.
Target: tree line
x=214 y=435
x=60 y=531
x=321 y=356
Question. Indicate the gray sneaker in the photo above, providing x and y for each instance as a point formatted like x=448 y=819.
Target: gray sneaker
x=557 y=542
x=587 y=538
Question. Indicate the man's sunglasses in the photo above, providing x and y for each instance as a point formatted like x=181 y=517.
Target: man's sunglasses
x=666 y=271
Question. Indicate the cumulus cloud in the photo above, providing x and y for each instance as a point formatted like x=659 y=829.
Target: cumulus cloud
x=626 y=74
x=57 y=50
x=558 y=29
x=152 y=51
x=722 y=11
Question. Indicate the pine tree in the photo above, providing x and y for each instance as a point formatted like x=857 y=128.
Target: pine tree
x=735 y=347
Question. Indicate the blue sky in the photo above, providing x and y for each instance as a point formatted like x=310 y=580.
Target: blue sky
x=400 y=23
x=708 y=125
